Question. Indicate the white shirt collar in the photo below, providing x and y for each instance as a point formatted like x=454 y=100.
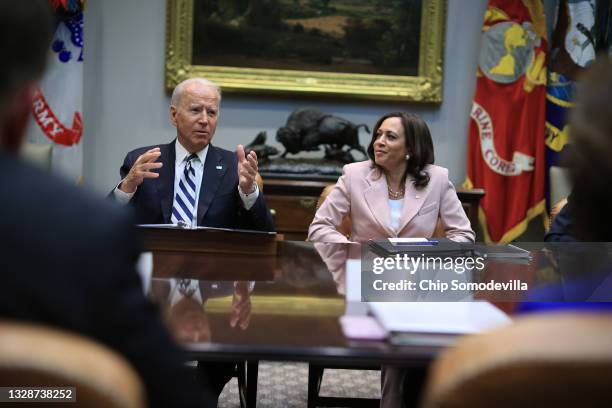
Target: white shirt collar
x=182 y=153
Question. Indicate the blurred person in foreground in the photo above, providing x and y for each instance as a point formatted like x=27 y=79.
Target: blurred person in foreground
x=590 y=164
x=68 y=259
x=399 y=192
x=589 y=283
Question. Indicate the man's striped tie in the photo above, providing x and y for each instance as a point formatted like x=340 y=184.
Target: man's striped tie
x=184 y=205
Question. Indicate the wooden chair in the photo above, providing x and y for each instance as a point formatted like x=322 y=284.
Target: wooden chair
x=556 y=209
x=247 y=373
x=345 y=226
x=37 y=356
x=260 y=182
x=547 y=360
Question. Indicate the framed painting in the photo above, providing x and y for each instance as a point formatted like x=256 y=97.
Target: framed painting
x=375 y=49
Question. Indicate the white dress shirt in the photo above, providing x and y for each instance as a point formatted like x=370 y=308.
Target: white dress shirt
x=198 y=165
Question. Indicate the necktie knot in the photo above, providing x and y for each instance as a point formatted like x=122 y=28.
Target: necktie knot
x=186 y=287
x=188 y=161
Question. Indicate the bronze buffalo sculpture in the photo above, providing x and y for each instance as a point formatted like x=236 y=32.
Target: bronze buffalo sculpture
x=307 y=129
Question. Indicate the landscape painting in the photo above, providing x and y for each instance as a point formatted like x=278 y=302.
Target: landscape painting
x=376 y=49
x=354 y=36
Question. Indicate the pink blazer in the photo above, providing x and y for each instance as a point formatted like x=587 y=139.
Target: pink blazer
x=361 y=192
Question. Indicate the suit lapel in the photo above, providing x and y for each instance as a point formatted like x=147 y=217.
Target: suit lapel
x=413 y=201
x=375 y=197
x=165 y=182
x=214 y=169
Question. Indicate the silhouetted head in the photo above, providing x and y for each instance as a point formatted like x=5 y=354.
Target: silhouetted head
x=26 y=30
x=590 y=156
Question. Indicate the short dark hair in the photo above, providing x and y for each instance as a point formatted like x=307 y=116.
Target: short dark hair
x=26 y=30
x=589 y=157
x=418 y=142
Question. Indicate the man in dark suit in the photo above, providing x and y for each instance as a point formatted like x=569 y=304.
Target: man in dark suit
x=67 y=259
x=189 y=179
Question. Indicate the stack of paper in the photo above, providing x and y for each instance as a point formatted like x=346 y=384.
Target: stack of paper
x=438 y=317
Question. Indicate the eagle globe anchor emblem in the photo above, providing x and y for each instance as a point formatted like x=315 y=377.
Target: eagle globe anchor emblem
x=508 y=54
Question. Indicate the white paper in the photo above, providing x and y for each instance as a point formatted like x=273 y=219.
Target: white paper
x=354 y=305
x=438 y=317
x=159 y=226
x=399 y=241
x=144 y=267
x=353 y=280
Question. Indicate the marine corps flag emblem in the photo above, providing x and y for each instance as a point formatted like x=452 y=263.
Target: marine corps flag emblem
x=506 y=150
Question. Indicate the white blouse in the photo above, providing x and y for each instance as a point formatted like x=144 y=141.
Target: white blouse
x=396 y=210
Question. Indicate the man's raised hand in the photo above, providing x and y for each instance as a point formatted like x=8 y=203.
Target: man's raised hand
x=247 y=170
x=143 y=168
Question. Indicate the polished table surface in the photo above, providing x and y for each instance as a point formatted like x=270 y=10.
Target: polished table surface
x=286 y=306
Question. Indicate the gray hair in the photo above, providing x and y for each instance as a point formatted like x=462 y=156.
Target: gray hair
x=178 y=90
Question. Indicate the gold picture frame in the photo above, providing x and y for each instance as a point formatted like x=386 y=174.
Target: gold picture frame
x=425 y=87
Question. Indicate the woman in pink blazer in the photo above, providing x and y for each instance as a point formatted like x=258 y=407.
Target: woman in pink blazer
x=398 y=193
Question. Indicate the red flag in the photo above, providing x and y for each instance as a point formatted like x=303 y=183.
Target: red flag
x=57 y=3
x=506 y=147
x=57 y=104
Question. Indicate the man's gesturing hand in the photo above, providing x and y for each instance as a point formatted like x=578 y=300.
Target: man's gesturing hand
x=143 y=168
x=241 y=306
x=247 y=170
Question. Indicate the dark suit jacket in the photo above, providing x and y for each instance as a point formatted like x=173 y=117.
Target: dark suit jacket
x=67 y=260
x=219 y=204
